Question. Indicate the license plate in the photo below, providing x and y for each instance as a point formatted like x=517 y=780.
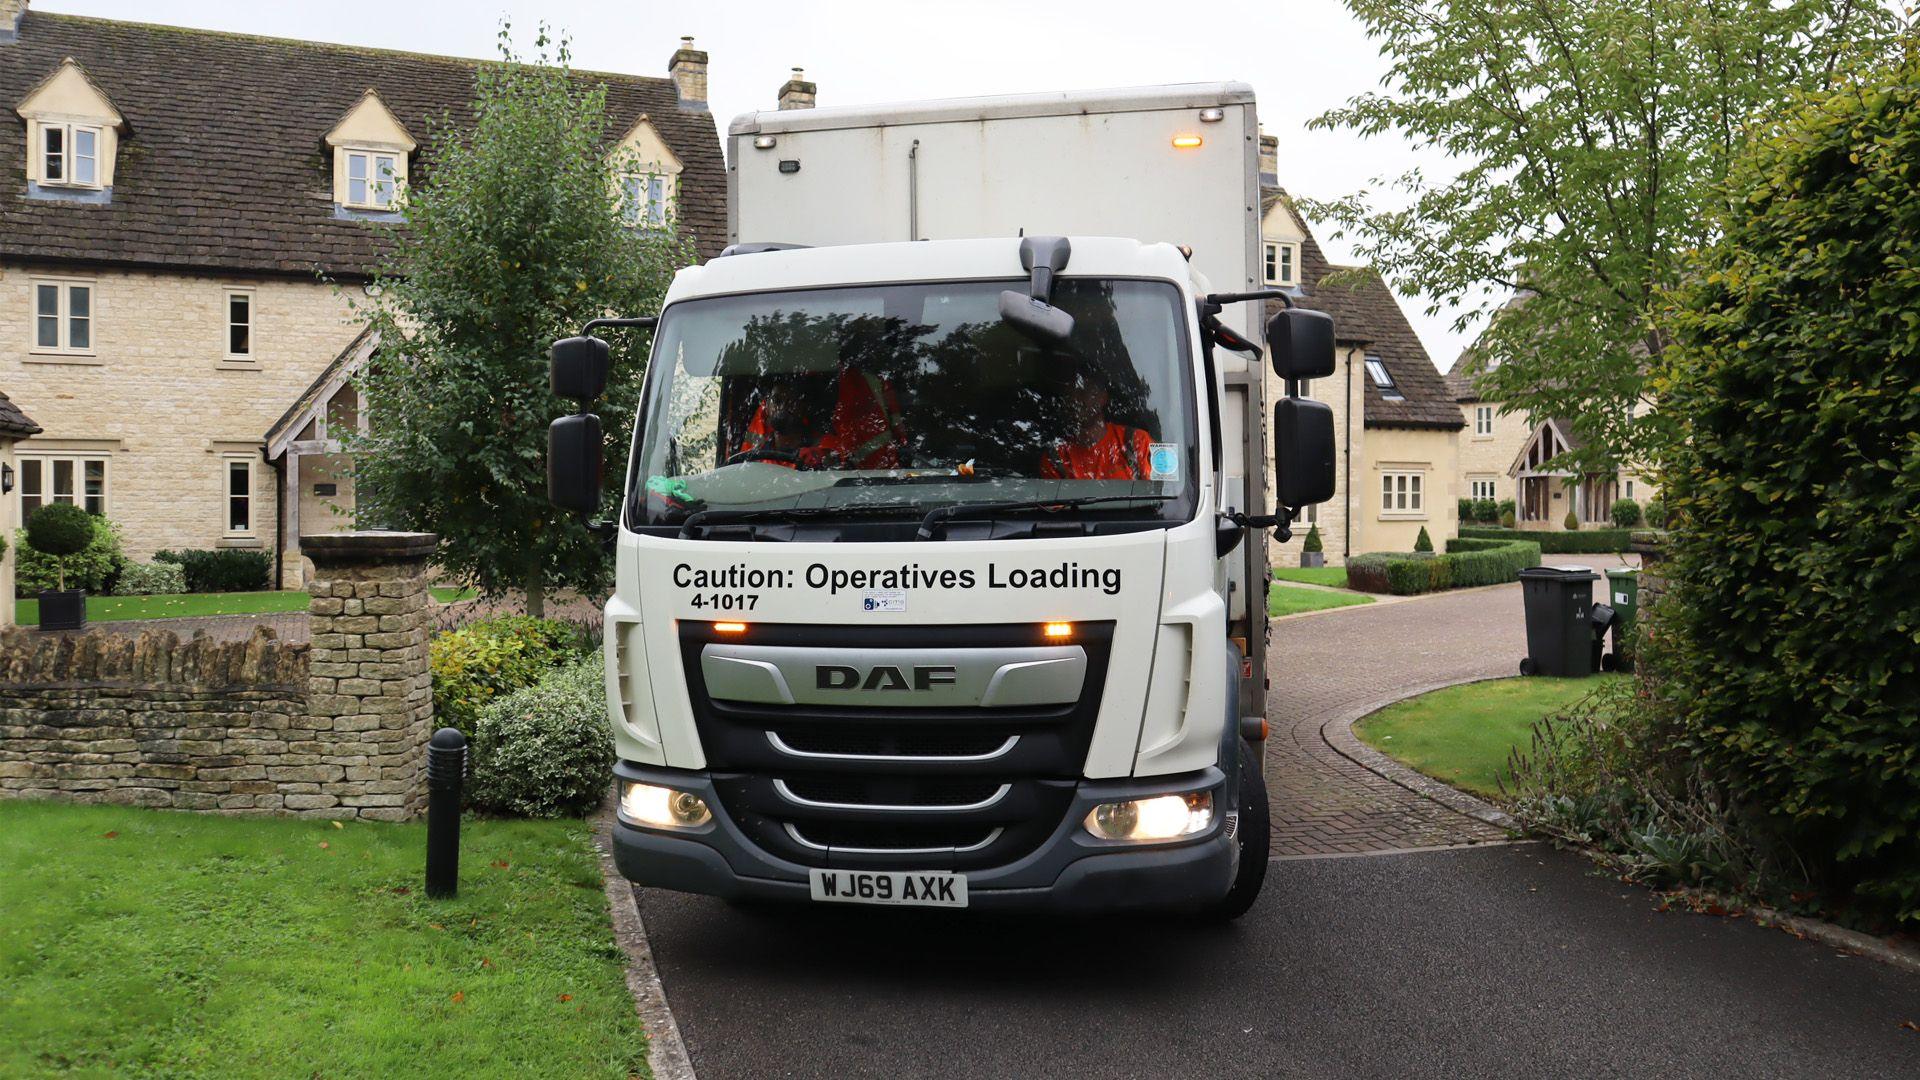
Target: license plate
x=914 y=888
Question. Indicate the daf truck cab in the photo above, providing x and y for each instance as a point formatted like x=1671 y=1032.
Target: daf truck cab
x=940 y=563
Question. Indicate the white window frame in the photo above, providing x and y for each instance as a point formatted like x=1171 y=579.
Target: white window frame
x=646 y=199
x=1489 y=485
x=1403 y=493
x=1483 y=421
x=370 y=159
x=75 y=494
x=1280 y=262
x=228 y=464
x=1383 y=379
x=63 y=316
x=68 y=155
x=1628 y=486
x=251 y=353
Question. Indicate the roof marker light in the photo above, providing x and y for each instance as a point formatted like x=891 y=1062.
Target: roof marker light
x=1212 y=116
x=729 y=628
x=1185 y=142
x=764 y=142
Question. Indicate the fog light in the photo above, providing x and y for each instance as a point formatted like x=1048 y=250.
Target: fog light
x=1162 y=817
x=663 y=808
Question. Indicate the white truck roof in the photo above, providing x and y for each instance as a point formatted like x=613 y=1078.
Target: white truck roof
x=1198 y=95
x=849 y=264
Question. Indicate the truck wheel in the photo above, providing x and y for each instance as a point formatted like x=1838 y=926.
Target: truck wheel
x=1254 y=837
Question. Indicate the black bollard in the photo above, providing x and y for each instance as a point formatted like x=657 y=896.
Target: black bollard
x=446 y=771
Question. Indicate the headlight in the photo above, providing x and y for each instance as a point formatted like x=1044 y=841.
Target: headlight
x=662 y=808
x=1162 y=817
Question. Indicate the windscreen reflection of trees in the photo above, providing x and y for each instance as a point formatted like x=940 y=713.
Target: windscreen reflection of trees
x=978 y=392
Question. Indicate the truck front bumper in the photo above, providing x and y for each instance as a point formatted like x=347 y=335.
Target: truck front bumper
x=1071 y=871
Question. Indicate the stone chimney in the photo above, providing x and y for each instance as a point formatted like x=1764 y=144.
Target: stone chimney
x=688 y=68
x=798 y=93
x=1269 y=159
x=10 y=13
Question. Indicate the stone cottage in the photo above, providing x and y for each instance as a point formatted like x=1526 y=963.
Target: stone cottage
x=1396 y=428
x=184 y=218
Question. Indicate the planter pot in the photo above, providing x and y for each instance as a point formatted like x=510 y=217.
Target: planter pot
x=1313 y=558
x=63 y=610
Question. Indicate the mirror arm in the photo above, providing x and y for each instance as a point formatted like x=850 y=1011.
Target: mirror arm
x=1281 y=524
x=644 y=321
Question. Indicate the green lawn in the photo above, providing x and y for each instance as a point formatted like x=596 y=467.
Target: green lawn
x=183 y=605
x=1334 y=576
x=1286 y=600
x=154 y=943
x=1462 y=734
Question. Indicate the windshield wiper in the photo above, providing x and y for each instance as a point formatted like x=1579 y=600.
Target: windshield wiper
x=992 y=510
x=701 y=518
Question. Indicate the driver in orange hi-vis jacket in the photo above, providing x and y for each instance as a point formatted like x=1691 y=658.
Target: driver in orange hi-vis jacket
x=863 y=431
x=1097 y=448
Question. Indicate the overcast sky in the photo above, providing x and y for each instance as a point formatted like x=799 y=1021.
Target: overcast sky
x=1301 y=56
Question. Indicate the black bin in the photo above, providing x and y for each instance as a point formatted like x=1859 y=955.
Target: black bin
x=1559 y=602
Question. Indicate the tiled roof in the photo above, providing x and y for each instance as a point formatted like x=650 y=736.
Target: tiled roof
x=14 y=423
x=1364 y=310
x=1460 y=382
x=226 y=169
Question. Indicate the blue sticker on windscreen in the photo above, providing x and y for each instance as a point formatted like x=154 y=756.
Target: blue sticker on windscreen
x=1163 y=461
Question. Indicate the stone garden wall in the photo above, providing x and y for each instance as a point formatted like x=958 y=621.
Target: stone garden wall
x=246 y=727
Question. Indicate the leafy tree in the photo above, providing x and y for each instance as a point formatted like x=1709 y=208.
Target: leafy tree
x=60 y=530
x=515 y=238
x=1626 y=513
x=1594 y=138
x=1794 y=608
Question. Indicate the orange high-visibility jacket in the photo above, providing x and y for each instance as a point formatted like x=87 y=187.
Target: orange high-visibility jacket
x=864 y=432
x=1121 y=453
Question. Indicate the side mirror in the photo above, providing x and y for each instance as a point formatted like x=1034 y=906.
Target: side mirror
x=574 y=463
x=1303 y=468
x=1301 y=343
x=1034 y=317
x=577 y=368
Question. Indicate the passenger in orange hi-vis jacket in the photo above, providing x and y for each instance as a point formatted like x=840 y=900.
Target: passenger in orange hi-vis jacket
x=1098 y=449
x=863 y=431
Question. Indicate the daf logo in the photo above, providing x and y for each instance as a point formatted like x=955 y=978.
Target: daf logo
x=883 y=677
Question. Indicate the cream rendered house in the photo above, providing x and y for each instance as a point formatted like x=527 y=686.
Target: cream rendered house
x=185 y=218
x=1396 y=428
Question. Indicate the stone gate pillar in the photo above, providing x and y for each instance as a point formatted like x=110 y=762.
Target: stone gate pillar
x=369 y=689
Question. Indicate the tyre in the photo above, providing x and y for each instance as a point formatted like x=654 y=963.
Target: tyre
x=1610 y=662
x=1527 y=666
x=1254 y=837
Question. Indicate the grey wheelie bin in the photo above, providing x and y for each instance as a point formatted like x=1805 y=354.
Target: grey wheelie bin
x=1559 y=601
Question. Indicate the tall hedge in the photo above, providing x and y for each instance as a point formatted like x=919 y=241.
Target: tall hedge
x=1467 y=563
x=1794 y=610
x=1589 y=542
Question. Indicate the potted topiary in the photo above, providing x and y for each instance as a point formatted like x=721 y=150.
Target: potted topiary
x=1423 y=542
x=1573 y=521
x=61 y=531
x=1312 y=553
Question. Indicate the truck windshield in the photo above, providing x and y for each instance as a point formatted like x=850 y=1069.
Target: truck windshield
x=913 y=397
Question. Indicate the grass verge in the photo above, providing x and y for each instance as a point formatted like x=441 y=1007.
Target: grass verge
x=145 y=942
x=1286 y=600
x=1462 y=735
x=191 y=605
x=1334 y=576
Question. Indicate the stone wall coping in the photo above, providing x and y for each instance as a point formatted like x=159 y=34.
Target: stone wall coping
x=329 y=549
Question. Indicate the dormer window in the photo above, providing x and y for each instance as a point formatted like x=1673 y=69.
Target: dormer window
x=649 y=174
x=372 y=179
x=73 y=131
x=1281 y=262
x=370 y=148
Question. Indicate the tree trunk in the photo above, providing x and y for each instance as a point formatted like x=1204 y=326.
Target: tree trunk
x=536 y=595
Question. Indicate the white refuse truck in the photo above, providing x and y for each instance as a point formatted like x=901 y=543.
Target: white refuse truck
x=941 y=562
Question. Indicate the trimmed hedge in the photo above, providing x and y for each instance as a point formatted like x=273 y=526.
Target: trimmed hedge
x=1592 y=541
x=545 y=750
x=150 y=579
x=220 y=569
x=1467 y=563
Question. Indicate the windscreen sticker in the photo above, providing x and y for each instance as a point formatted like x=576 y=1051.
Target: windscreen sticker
x=1163 y=461
x=885 y=600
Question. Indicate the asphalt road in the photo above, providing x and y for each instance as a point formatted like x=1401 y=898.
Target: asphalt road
x=1512 y=961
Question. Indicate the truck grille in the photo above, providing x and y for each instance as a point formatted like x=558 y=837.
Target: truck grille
x=949 y=787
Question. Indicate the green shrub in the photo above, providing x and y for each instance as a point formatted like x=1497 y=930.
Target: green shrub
x=150 y=579
x=1312 y=542
x=94 y=568
x=1484 y=510
x=1423 y=542
x=485 y=660
x=1656 y=514
x=1590 y=542
x=1506 y=519
x=1467 y=563
x=1793 y=600
x=1626 y=513
x=1504 y=509
x=1466 y=509
x=545 y=750
x=1572 y=521
x=221 y=569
